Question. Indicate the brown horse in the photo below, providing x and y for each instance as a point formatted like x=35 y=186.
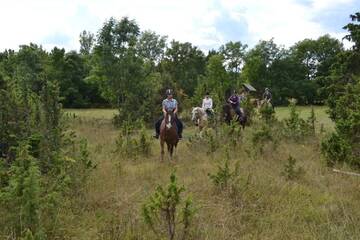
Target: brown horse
x=229 y=115
x=168 y=134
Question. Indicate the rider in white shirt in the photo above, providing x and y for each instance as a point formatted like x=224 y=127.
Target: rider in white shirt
x=207 y=104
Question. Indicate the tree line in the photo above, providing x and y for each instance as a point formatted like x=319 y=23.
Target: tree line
x=124 y=67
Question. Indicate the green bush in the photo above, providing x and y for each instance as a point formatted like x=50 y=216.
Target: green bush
x=144 y=142
x=311 y=121
x=22 y=196
x=262 y=136
x=295 y=127
x=208 y=142
x=336 y=149
x=224 y=176
x=291 y=171
x=231 y=134
x=211 y=141
x=131 y=143
x=344 y=145
x=161 y=213
x=267 y=113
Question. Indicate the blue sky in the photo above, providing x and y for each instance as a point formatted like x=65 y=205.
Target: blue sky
x=205 y=23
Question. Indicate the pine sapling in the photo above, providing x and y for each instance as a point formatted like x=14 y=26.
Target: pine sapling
x=160 y=211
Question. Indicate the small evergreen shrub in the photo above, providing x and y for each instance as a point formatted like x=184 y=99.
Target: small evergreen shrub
x=231 y=134
x=224 y=176
x=262 y=136
x=311 y=121
x=291 y=171
x=208 y=142
x=211 y=141
x=336 y=149
x=22 y=195
x=131 y=143
x=166 y=210
x=296 y=127
x=344 y=144
x=267 y=113
x=143 y=142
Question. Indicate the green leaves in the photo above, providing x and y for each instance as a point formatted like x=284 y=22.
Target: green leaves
x=344 y=101
x=291 y=171
x=160 y=211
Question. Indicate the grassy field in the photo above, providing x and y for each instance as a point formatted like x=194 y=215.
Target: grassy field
x=281 y=113
x=319 y=204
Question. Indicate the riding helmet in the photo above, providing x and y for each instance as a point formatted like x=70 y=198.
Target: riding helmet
x=169 y=92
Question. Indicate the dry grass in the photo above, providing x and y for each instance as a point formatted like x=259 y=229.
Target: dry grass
x=318 y=205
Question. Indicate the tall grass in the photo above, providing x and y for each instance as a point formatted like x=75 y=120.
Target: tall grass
x=265 y=205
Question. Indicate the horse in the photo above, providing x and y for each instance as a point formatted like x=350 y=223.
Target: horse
x=168 y=134
x=229 y=115
x=199 y=117
x=263 y=103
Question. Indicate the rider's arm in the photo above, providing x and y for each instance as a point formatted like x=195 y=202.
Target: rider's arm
x=203 y=103
x=176 y=108
x=163 y=108
x=211 y=103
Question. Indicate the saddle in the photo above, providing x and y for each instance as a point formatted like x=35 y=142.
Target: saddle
x=209 y=112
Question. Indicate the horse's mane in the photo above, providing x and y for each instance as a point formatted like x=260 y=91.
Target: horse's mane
x=198 y=109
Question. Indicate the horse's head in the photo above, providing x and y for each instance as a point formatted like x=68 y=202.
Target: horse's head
x=169 y=119
x=195 y=114
x=198 y=114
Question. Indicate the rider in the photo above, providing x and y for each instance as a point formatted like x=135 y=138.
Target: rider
x=242 y=97
x=267 y=95
x=207 y=104
x=234 y=101
x=169 y=104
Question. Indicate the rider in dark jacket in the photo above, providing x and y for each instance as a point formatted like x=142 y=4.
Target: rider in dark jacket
x=234 y=101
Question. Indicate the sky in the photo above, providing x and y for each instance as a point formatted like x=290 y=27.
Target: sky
x=205 y=23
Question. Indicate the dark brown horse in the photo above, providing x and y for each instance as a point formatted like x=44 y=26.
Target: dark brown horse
x=168 y=134
x=229 y=115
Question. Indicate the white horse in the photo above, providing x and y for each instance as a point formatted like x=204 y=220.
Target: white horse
x=199 y=117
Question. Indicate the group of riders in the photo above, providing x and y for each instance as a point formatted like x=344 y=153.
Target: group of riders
x=169 y=104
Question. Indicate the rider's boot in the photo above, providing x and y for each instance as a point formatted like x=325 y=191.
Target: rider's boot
x=156 y=135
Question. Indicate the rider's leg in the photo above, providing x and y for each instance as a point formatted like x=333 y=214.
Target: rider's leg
x=179 y=127
x=238 y=112
x=157 y=127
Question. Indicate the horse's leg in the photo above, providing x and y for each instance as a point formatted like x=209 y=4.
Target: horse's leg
x=168 y=148
x=200 y=130
x=244 y=121
x=162 y=149
x=171 y=151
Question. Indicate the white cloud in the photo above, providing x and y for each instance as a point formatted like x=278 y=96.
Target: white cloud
x=288 y=21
